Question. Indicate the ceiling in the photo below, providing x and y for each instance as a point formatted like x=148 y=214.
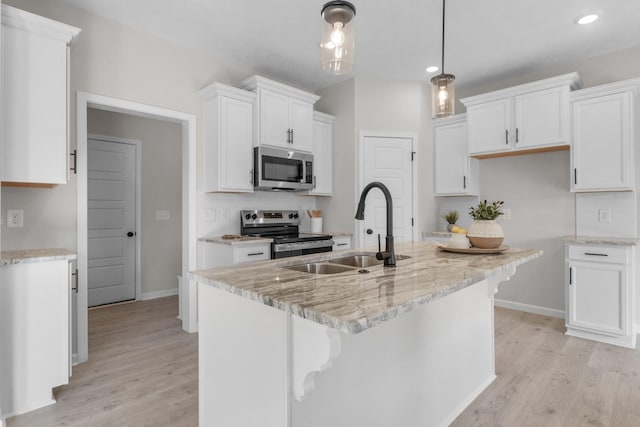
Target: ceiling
x=486 y=40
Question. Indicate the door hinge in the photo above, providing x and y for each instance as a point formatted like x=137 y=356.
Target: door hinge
x=74 y=168
x=413 y=156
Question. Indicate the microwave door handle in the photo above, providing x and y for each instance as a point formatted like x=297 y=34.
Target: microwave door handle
x=301 y=168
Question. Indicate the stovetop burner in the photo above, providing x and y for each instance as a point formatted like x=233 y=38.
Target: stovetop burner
x=282 y=226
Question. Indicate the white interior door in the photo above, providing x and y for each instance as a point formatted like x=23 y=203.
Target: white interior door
x=111 y=222
x=389 y=161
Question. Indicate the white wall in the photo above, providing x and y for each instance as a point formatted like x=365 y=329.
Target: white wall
x=161 y=152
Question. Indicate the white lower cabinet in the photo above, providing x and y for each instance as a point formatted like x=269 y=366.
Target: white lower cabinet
x=222 y=255
x=341 y=242
x=35 y=335
x=600 y=293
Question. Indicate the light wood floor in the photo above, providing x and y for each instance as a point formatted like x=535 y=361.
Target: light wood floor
x=142 y=371
x=546 y=378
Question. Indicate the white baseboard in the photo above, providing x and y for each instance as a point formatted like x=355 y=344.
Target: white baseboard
x=536 y=309
x=158 y=294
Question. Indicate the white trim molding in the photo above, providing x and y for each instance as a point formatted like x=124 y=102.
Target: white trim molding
x=535 y=309
x=86 y=100
x=158 y=294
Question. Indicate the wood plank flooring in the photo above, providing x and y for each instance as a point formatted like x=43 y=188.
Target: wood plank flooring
x=142 y=371
x=546 y=378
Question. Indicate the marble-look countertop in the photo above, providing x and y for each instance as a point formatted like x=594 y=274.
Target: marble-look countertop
x=436 y=234
x=352 y=302
x=613 y=241
x=242 y=241
x=35 y=255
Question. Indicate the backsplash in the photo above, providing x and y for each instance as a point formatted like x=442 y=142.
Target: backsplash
x=610 y=214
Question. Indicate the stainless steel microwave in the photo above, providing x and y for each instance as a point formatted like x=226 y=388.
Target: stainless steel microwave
x=280 y=169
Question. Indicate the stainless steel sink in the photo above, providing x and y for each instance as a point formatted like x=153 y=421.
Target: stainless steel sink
x=362 y=260
x=320 y=268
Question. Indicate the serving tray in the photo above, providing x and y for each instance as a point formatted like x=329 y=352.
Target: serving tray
x=472 y=250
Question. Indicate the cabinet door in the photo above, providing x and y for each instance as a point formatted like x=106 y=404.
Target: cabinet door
x=34 y=110
x=489 y=126
x=542 y=118
x=451 y=160
x=236 y=161
x=602 y=132
x=323 y=158
x=598 y=297
x=274 y=119
x=301 y=124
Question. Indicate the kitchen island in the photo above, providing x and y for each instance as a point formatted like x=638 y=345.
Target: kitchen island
x=408 y=345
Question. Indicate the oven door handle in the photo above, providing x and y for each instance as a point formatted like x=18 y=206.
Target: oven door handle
x=281 y=247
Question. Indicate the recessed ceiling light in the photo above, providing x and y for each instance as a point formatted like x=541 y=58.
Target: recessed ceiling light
x=586 y=19
x=432 y=69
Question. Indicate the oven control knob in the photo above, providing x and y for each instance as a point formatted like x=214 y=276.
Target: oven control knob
x=295 y=215
x=290 y=216
x=247 y=216
x=254 y=216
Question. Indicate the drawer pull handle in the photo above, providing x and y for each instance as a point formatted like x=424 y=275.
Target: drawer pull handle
x=595 y=254
x=255 y=253
x=342 y=244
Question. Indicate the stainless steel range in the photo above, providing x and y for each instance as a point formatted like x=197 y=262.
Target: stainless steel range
x=283 y=228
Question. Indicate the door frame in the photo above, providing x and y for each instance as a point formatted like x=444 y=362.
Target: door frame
x=137 y=202
x=85 y=100
x=414 y=177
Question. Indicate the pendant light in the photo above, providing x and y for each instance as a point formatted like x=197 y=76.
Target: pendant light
x=337 y=44
x=443 y=93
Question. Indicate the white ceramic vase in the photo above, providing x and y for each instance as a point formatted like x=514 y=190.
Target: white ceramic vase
x=485 y=234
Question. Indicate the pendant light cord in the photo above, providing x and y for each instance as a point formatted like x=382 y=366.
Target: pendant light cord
x=443 y=14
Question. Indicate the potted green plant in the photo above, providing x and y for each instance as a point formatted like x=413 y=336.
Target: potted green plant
x=451 y=217
x=485 y=232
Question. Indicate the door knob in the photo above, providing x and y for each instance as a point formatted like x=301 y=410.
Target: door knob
x=131 y=234
x=369 y=231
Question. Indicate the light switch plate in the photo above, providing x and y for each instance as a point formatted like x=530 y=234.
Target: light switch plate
x=604 y=215
x=163 y=215
x=15 y=218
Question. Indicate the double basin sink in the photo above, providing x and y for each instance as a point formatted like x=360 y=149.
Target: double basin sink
x=342 y=264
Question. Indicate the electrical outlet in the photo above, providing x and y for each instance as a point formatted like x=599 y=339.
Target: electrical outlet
x=506 y=214
x=225 y=214
x=604 y=215
x=15 y=218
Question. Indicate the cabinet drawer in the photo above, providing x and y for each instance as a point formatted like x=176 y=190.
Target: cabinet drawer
x=252 y=253
x=599 y=254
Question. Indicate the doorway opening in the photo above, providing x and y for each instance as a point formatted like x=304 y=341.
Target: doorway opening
x=187 y=123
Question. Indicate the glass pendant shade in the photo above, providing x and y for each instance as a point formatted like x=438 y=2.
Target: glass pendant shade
x=337 y=45
x=443 y=95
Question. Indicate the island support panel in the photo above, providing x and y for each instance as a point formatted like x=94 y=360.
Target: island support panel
x=421 y=368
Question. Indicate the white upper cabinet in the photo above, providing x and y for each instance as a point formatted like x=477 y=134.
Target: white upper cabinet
x=456 y=174
x=322 y=154
x=35 y=93
x=603 y=135
x=228 y=138
x=527 y=118
x=284 y=115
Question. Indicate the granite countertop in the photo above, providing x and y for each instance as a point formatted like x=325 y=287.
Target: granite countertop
x=241 y=241
x=436 y=234
x=352 y=302
x=613 y=241
x=35 y=255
